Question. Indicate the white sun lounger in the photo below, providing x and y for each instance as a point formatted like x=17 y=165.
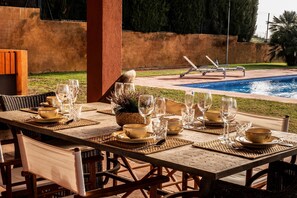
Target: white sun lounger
x=202 y=69
x=238 y=68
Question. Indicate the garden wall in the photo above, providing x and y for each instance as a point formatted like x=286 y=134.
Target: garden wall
x=55 y=46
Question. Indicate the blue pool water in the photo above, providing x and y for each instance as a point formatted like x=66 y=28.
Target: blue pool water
x=281 y=86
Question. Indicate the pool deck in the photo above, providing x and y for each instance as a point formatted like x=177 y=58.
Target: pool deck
x=174 y=82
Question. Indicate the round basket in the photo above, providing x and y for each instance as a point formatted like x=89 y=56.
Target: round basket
x=129 y=118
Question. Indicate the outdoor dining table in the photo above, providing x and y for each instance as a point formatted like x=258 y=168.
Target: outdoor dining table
x=209 y=164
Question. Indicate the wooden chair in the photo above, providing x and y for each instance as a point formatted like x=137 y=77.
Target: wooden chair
x=281 y=182
x=11 y=179
x=64 y=168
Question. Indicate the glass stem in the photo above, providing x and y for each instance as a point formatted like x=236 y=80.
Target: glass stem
x=224 y=131
x=203 y=119
x=227 y=132
x=144 y=119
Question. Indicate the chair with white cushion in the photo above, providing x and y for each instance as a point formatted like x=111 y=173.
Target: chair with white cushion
x=64 y=167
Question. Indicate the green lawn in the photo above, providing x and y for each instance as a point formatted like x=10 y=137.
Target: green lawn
x=47 y=82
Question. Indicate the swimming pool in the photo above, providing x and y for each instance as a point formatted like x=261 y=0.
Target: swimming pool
x=281 y=86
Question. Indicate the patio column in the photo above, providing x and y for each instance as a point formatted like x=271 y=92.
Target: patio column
x=104 y=45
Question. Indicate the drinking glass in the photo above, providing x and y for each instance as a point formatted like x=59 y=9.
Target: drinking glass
x=204 y=103
x=62 y=93
x=129 y=87
x=73 y=90
x=160 y=107
x=160 y=128
x=188 y=116
x=145 y=106
x=189 y=99
x=118 y=89
x=228 y=113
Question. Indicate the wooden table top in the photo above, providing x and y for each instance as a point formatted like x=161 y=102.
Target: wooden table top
x=208 y=164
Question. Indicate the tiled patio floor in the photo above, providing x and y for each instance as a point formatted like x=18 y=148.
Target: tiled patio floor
x=174 y=82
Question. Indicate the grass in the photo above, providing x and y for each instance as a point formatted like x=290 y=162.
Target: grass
x=39 y=83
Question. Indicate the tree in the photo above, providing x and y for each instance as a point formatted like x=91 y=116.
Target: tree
x=284 y=37
x=186 y=17
x=148 y=16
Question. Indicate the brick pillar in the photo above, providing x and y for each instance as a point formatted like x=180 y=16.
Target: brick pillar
x=104 y=45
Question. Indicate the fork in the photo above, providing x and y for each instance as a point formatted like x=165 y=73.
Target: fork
x=233 y=146
x=158 y=143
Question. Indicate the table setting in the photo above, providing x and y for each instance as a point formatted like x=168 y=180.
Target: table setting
x=53 y=113
x=248 y=141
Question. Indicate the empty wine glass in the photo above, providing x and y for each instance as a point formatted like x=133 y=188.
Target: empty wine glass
x=145 y=106
x=118 y=88
x=189 y=99
x=73 y=90
x=129 y=87
x=204 y=103
x=228 y=113
x=160 y=107
x=62 y=93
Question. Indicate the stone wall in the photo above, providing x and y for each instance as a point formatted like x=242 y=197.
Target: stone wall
x=55 y=46
x=167 y=50
x=52 y=45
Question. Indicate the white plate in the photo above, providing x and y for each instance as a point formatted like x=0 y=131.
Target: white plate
x=39 y=119
x=122 y=137
x=273 y=141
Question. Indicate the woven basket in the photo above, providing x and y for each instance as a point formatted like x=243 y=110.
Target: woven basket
x=129 y=118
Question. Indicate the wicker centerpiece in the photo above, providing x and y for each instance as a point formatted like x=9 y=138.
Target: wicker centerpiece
x=126 y=108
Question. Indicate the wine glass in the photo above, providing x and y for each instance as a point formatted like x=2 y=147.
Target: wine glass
x=129 y=87
x=160 y=107
x=189 y=99
x=73 y=89
x=145 y=105
x=62 y=93
x=204 y=103
x=118 y=89
x=228 y=113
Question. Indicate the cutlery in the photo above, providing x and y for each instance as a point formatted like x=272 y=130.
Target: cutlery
x=69 y=121
x=158 y=143
x=236 y=147
x=285 y=144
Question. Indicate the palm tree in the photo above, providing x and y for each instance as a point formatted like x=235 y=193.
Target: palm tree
x=284 y=38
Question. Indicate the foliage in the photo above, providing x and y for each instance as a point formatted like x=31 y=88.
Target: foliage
x=187 y=17
x=146 y=16
x=64 y=9
x=284 y=37
x=191 y=16
x=126 y=102
x=243 y=17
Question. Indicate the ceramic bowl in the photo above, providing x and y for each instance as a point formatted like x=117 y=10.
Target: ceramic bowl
x=135 y=131
x=258 y=135
x=175 y=125
x=48 y=112
x=213 y=115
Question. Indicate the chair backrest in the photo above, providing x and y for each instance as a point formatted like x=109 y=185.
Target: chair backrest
x=278 y=124
x=190 y=62
x=63 y=167
x=16 y=102
x=212 y=62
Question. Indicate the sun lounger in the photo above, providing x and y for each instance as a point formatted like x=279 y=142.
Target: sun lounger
x=202 y=69
x=238 y=68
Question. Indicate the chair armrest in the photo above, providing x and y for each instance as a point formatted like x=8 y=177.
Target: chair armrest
x=259 y=174
x=10 y=162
